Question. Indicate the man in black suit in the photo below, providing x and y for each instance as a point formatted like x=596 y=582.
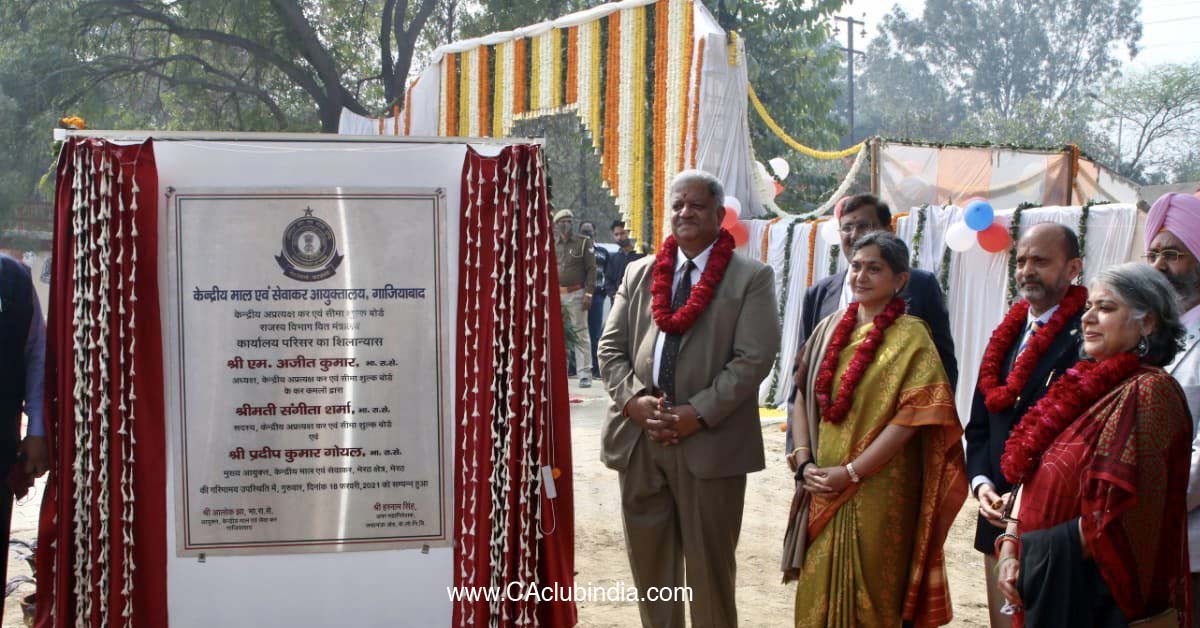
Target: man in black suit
x=1048 y=262
x=22 y=366
x=860 y=215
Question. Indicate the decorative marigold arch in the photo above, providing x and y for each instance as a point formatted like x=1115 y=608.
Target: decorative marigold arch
x=657 y=84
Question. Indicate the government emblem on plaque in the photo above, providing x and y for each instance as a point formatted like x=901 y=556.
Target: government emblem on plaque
x=309 y=249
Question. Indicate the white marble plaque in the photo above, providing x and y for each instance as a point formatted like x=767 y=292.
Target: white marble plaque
x=311 y=351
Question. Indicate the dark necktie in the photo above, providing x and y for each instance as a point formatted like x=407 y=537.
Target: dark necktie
x=1034 y=327
x=670 y=351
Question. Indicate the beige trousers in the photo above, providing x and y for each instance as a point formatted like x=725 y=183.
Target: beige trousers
x=681 y=530
x=577 y=321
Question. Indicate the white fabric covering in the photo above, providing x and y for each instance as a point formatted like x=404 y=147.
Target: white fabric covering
x=978 y=290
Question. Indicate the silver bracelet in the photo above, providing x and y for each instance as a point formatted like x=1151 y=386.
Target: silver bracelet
x=853 y=475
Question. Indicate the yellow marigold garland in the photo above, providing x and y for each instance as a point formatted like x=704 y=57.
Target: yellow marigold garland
x=637 y=198
x=595 y=78
x=787 y=139
x=688 y=53
x=535 y=74
x=466 y=95
x=556 y=69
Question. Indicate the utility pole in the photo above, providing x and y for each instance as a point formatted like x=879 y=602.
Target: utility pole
x=850 y=52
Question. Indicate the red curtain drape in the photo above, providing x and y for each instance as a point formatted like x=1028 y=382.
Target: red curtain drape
x=513 y=430
x=101 y=557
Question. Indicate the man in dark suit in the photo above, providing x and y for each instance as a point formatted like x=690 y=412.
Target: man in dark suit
x=22 y=360
x=1048 y=262
x=859 y=216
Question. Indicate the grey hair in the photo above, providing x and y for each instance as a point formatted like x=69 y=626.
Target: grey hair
x=715 y=188
x=1146 y=291
x=893 y=250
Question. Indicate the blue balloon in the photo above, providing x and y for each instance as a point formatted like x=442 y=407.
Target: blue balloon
x=979 y=215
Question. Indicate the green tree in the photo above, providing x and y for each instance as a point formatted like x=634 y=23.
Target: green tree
x=284 y=57
x=998 y=71
x=994 y=54
x=1186 y=167
x=900 y=96
x=192 y=64
x=1157 y=113
x=793 y=68
x=491 y=16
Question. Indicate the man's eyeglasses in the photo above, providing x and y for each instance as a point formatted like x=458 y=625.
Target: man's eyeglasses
x=1168 y=255
x=853 y=227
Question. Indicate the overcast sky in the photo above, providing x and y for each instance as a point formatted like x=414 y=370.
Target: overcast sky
x=1170 y=28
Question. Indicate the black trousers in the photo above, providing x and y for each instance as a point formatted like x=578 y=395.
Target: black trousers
x=6 y=507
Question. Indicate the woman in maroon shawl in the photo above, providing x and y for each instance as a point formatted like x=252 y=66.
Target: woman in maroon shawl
x=1098 y=536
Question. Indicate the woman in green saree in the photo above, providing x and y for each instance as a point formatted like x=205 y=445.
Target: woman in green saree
x=878 y=460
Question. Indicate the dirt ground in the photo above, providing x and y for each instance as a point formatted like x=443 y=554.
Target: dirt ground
x=24 y=528
x=600 y=547
x=762 y=600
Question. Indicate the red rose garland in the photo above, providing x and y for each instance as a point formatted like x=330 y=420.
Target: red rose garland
x=681 y=320
x=836 y=411
x=1081 y=386
x=997 y=396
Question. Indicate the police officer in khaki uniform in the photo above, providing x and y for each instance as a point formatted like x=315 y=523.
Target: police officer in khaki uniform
x=576 y=282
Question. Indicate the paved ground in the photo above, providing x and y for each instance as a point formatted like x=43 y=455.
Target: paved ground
x=600 y=547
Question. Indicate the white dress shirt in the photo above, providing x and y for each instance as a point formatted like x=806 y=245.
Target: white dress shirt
x=1029 y=320
x=700 y=261
x=847 y=296
x=1186 y=370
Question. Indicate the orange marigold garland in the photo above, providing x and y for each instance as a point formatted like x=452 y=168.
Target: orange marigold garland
x=766 y=237
x=451 y=88
x=572 y=65
x=408 y=107
x=686 y=53
x=812 y=250
x=695 y=117
x=612 y=72
x=659 y=122
x=520 y=80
